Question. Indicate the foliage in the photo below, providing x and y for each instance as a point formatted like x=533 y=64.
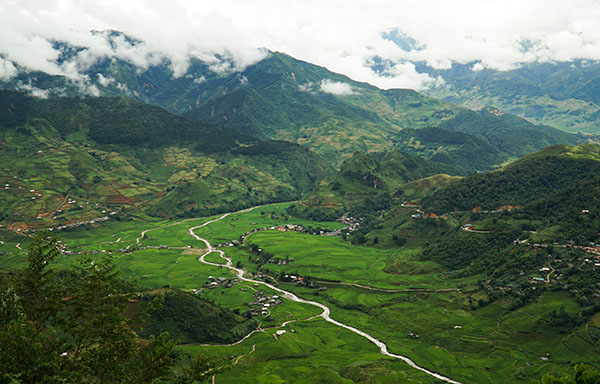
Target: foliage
x=190 y=319
x=583 y=375
x=72 y=327
x=520 y=183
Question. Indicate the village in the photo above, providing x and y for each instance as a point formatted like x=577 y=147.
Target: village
x=262 y=304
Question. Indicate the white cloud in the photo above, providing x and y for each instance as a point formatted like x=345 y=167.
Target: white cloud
x=336 y=87
x=243 y=80
x=104 y=81
x=33 y=91
x=307 y=87
x=7 y=70
x=199 y=80
x=343 y=36
x=477 y=67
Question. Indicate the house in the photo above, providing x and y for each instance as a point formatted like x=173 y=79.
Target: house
x=508 y=207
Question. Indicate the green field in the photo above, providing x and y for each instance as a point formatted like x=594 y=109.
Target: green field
x=456 y=337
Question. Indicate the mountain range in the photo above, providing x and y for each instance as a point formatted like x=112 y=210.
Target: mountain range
x=565 y=95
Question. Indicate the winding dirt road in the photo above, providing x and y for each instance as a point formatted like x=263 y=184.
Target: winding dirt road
x=290 y=296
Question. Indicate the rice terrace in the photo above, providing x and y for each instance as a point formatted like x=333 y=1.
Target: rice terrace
x=300 y=192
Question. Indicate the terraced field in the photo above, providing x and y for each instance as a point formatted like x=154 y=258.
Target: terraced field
x=425 y=314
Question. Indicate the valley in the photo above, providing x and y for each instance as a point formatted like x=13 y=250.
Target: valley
x=278 y=222
x=452 y=334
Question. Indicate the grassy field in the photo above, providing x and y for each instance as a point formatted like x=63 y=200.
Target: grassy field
x=456 y=337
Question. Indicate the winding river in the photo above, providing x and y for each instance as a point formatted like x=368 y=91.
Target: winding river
x=290 y=296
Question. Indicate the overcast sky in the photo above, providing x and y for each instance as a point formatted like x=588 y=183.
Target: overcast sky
x=343 y=36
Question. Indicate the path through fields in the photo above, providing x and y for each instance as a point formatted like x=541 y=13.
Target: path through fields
x=290 y=296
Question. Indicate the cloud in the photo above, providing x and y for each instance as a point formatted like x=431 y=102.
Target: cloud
x=33 y=91
x=336 y=87
x=104 y=81
x=199 y=80
x=307 y=87
x=243 y=80
x=7 y=70
x=346 y=37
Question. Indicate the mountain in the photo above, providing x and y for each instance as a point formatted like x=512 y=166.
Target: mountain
x=365 y=183
x=278 y=97
x=565 y=95
x=282 y=98
x=70 y=160
x=290 y=99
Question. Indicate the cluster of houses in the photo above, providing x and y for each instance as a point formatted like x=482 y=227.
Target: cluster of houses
x=79 y=223
x=352 y=223
x=428 y=215
x=352 y=226
x=262 y=304
x=65 y=251
x=216 y=282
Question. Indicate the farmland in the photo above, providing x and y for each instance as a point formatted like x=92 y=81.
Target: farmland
x=419 y=310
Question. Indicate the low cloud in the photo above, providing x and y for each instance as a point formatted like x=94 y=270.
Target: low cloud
x=33 y=91
x=7 y=70
x=336 y=88
x=104 y=81
x=199 y=80
x=243 y=80
x=342 y=36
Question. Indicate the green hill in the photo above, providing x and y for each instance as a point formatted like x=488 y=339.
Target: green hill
x=69 y=160
x=289 y=99
x=561 y=94
x=365 y=183
x=522 y=182
x=191 y=319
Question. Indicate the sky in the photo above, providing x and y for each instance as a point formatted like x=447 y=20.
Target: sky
x=346 y=36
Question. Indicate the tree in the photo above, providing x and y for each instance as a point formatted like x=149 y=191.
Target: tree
x=583 y=375
x=70 y=326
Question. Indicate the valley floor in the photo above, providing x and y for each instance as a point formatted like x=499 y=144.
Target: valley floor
x=327 y=309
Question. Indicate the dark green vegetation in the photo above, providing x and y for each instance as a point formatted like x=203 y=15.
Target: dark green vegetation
x=70 y=325
x=478 y=141
x=561 y=94
x=365 y=184
x=72 y=160
x=558 y=186
x=281 y=98
x=190 y=319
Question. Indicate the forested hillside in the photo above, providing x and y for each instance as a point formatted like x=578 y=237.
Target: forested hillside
x=70 y=160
